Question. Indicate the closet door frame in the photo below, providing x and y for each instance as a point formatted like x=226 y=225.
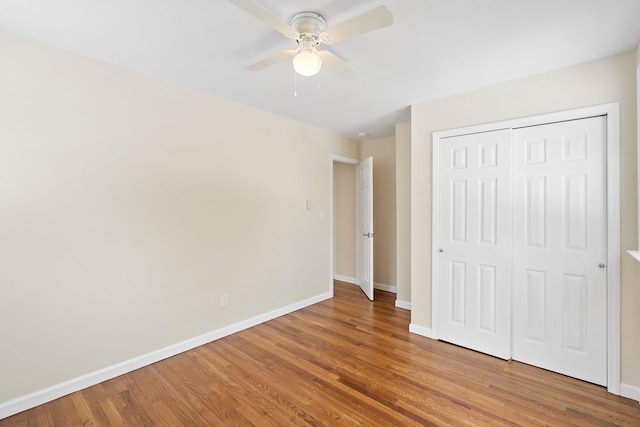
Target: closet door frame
x=612 y=114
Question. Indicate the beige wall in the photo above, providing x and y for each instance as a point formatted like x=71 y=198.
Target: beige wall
x=384 y=208
x=403 y=213
x=128 y=206
x=635 y=369
x=344 y=185
x=599 y=82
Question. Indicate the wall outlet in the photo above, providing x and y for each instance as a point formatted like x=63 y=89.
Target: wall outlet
x=224 y=300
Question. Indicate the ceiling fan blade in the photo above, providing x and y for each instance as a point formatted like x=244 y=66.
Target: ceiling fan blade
x=270 y=60
x=336 y=64
x=260 y=12
x=377 y=18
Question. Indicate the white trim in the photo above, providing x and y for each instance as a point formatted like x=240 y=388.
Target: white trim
x=435 y=226
x=386 y=288
x=403 y=304
x=332 y=159
x=421 y=330
x=612 y=112
x=346 y=279
x=22 y=403
x=343 y=159
x=560 y=116
x=635 y=254
x=379 y=286
x=630 y=391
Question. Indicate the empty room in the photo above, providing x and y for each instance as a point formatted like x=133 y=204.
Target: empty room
x=270 y=212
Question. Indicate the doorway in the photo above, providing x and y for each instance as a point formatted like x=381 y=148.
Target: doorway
x=355 y=223
x=344 y=222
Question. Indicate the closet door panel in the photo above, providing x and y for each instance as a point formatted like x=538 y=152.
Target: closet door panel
x=474 y=302
x=559 y=248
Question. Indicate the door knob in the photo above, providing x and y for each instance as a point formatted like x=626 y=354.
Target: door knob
x=601 y=265
x=441 y=250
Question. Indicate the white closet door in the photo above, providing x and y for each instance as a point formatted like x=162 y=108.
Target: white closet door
x=559 y=241
x=474 y=237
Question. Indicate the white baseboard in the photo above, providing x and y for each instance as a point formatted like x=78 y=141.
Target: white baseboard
x=403 y=304
x=421 y=330
x=347 y=279
x=630 y=391
x=22 y=403
x=380 y=286
x=387 y=288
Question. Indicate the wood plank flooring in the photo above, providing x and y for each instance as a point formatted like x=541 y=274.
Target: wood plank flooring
x=345 y=361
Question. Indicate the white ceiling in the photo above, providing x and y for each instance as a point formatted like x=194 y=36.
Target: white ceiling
x=434 y=48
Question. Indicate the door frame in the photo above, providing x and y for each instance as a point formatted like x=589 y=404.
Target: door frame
x=612 y=115
x=333 y=159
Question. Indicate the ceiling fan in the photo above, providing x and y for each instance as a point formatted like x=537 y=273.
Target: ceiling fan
x=309 y=31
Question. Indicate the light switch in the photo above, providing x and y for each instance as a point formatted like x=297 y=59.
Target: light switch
x=308 y=203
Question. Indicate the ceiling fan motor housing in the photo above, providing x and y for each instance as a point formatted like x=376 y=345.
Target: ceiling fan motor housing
x=309 y=26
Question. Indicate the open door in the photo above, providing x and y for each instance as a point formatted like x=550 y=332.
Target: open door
x=364 y=226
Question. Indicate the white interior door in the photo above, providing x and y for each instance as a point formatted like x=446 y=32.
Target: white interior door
x=364 y=226
x=474 y=239
x=559 y=248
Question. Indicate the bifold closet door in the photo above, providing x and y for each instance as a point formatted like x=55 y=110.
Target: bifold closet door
x=559 y=248
x=474 y=254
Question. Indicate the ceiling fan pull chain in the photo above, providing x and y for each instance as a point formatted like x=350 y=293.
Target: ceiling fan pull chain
x=295 y=83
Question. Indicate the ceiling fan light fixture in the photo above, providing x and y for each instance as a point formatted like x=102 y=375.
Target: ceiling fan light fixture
x=307 y=63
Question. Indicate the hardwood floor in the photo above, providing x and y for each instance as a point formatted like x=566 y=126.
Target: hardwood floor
x=345 y=361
